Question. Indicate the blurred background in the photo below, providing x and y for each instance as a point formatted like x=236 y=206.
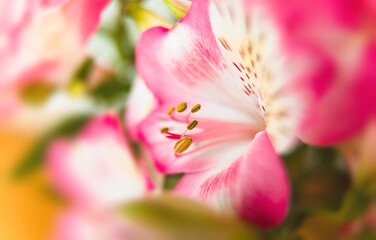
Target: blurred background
x=28 y=205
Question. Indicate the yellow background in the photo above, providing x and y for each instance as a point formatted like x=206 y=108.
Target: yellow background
x=25 y=212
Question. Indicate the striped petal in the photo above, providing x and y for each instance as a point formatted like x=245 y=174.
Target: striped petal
x=254 y=186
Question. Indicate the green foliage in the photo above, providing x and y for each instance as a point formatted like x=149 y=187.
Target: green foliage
x=318 y=177
x=319 y=181
x=111 y=92
x=77 y=85
x=323 y=196
x=85 y=69
x=178 y=9
x=172 y=217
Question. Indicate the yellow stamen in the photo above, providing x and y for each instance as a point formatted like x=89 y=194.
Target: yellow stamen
x=192 y=125
x=164 y=130
x=170 y=111
x=182 y=145
x=181 y=107
x=196 y=108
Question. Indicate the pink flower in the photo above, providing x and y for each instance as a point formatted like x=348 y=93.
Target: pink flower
x=224 y=78
x=44 y=40
x=340 y=36
x=97 y=170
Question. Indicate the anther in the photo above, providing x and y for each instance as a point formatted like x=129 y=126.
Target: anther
x=181 y=107
x=192 y=125
x=196 y=108
x=182 y=145
x=164 y=130
x=170 y=111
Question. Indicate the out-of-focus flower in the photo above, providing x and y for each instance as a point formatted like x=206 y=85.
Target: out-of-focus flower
x=226 y=58
x=42 y=45
x=342 y=44
x=44 y=40
x=96 y=172
x=178 y=7
x=97 y=169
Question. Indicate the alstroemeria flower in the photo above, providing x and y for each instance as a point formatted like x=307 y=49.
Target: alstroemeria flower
x=224 y=80
x=340 y=99
x=44 y=40
x=97 y=170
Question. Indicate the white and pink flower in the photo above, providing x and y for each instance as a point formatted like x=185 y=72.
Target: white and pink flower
x=98 y=168
x=95 y=172
x=227 y=107
x=44 y=40
x=263 y=72
x=340 y=36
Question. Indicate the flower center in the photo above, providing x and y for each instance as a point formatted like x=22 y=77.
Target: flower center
x=200 y=133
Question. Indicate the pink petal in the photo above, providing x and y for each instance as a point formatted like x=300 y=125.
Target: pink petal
x=254 y=186
x=75 y=226
x=174 y=62
x=341 y=46
x=185 y=63
x=345 y=106
x=98 y=169
x=85 y=15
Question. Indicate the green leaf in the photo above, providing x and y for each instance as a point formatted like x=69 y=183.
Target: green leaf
x=178 y=8
x=179 y=218
x=34 y=159
x=111 y=92
x=354 y=203
x=367 y=235
x=85 y=69
x=77 y=85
